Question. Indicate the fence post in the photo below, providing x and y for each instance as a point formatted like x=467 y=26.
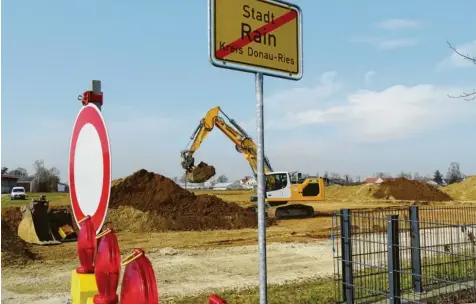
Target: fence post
x=393 y=259
x=346 y=243
x=415 y=252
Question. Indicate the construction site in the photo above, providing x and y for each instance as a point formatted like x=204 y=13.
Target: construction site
x=135 y=211
x=197 y=242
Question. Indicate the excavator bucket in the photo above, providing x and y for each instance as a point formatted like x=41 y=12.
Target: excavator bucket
x=35 y=227
x=201 y=173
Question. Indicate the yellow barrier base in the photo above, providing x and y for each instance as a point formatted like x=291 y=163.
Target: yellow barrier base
x=83 y=287
x=90 y=300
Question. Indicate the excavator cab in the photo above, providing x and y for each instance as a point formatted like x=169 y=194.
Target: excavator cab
x=278 y=186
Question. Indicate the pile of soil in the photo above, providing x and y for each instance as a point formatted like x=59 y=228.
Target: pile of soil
x=201 y=173
x=164 y=205
x=12 y=216
x=351 y=193
x=463 y=191
x=404 y=189
x=14 y=250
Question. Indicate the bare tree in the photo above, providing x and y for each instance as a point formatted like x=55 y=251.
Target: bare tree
x=348 y=179
x=454 y=174
x=222 y=179
x=46 y=180
x=4 y=170
x=182 y=178
x=417 y=176
x=406 y=175
x=470 y=58
x=19 y=172
x=382 y=175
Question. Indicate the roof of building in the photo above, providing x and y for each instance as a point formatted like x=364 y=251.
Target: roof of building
x=373 y=180
x=370 y=180
x=8 y=176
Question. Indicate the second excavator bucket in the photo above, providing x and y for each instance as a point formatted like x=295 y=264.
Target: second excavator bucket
x=35 y=227
x=201 y=173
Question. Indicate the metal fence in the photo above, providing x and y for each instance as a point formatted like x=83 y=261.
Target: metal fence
x=405 y=255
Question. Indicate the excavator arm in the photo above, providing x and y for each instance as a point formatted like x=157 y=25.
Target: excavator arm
x=243 y=143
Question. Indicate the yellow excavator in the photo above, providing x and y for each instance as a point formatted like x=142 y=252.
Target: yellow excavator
x=281 y=187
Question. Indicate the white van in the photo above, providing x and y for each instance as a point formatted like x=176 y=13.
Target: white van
x=18 y=193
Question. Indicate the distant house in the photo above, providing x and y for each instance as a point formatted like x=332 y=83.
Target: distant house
x=8 y=182
x=191 y=185
x=248 y=182
x=222 y=186
x=62 y=187
x=377 y=180
x=27 y=183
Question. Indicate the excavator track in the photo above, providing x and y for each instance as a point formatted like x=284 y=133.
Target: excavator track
x=294 y=211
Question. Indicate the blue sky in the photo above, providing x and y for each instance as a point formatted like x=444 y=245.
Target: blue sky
x=373 y=95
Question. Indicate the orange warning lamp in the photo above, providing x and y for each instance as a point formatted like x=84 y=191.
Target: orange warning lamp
x=214 y=299
x=107 y=268
x=86 y=246
x=138 y=284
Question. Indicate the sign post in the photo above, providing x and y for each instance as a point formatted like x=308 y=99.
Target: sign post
x=263 y=37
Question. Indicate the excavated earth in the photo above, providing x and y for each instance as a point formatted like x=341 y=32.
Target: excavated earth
x=201 y=173
x=145 y=201
x=14 y=250
x=404 y=189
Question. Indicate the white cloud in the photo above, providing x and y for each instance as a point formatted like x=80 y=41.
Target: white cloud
x=387 y=44
x=456 y=61
x=368 y=77
x=397 y=24
x=369 y=115
x=305 y=97
x=392 y=44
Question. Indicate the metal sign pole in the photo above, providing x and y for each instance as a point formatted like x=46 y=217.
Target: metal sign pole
x=96 y=88
x=261 y=191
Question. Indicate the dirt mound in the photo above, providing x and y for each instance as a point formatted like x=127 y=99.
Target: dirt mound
x=201 y=173
x=360 y=192
x=404 y=189
x=464 y=191
x=12 y=216
x=170 y=207
x=14 y=250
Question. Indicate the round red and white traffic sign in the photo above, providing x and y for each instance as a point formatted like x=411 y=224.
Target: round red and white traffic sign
x=90 y=167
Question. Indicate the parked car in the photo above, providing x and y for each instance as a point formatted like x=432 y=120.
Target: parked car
x=18 y=193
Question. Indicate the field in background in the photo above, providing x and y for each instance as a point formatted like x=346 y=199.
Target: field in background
x=55 y=198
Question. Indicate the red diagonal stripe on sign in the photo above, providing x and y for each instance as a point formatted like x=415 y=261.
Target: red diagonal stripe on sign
x=265 y=29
